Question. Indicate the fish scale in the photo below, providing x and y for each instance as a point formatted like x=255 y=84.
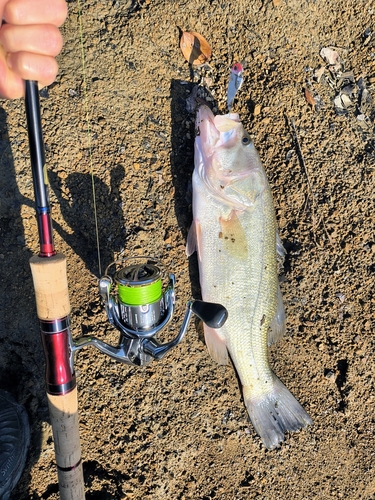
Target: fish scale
x=234 y=232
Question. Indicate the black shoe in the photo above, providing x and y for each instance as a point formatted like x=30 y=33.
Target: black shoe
x=14 y=442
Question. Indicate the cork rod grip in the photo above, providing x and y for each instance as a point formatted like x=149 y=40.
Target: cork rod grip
x=65 y=427
x=52 y=303
x=51 y=286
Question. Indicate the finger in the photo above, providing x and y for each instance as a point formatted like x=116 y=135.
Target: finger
x=39 y=39
x=2 y=5
x=35 y=12
x=11 y=85
x=30 y=66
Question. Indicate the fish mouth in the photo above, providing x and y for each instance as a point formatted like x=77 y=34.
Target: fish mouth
x=219 y=130
x=203 y=112
x=206 y=132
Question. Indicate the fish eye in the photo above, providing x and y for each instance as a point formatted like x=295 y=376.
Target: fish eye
x=246 y=140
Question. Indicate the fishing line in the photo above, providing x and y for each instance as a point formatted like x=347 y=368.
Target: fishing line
x=139 y=284
x=89 y=134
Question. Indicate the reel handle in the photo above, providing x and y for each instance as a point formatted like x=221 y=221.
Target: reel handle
x=212 y=314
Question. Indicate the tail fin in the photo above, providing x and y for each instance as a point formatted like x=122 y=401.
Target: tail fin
x=274 y=413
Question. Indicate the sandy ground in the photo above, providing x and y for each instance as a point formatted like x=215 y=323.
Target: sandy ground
x=178 y=429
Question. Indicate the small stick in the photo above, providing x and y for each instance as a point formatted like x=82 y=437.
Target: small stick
x=300 y=156
x=303 y=165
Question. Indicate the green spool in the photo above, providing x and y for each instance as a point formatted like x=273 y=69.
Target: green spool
x=140 y=295
x=139 y=285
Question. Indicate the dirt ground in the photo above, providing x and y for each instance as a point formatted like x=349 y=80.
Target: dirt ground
x=178 y=429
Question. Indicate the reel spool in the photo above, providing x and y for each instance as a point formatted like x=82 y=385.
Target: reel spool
x=139 y=307
x=140 y=295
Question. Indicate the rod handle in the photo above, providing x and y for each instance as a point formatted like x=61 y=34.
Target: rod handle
x=65 y=427
x=51 y=286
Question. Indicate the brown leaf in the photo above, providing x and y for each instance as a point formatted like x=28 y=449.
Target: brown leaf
x=310 y=98
x=195 y=48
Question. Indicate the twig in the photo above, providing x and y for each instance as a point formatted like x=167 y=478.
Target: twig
x=300 y=156
x=303 y=165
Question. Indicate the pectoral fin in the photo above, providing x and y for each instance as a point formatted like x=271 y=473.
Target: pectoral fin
x=215 y=345
x=233 y=236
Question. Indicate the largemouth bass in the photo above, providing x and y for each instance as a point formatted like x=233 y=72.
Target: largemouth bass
x=234 y=232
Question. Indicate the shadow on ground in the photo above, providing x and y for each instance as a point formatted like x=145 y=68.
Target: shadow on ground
x=111 y=224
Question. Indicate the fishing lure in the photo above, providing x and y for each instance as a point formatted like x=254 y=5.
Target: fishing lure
x=235 y=83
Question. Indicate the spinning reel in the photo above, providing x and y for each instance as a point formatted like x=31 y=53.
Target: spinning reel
x=139 y=299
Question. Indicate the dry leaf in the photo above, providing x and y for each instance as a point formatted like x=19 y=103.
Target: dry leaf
x=332 y=58
x=318 y=73
x=340 y=105
x=310 y=98
x=195 y=48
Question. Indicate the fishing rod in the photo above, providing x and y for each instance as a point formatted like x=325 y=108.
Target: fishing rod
x=138 y=295
x=48 y=270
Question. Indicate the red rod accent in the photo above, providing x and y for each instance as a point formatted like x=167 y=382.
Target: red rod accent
x=59 y=376
x=47 y=248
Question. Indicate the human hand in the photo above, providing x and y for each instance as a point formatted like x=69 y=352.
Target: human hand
x=29 y=42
